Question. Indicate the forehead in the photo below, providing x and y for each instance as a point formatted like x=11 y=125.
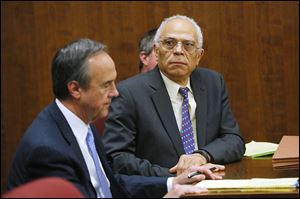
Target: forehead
x=102 y=65
x=101 y=59
x=179 y=29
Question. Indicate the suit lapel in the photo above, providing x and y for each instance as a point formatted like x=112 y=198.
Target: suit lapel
x=67 y=133
x=164 y=109
x=200 y=95
x=71 y=140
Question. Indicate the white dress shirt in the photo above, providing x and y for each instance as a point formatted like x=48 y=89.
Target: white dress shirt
x=177 y=99
x=80 y=130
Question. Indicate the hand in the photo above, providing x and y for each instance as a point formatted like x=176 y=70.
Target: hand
x=180 y=190
x=186 y=161
x=218 y=168
x=206 y=173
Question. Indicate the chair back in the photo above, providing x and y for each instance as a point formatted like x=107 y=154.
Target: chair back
x=47 y=187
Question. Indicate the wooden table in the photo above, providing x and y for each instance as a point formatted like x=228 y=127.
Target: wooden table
x=253 y=168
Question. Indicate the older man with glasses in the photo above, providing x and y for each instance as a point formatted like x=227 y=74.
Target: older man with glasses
x=175 y=116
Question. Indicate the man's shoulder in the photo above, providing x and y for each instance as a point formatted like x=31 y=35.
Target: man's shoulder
x=43 y=122
x=140 y=79
x=205 y=71
x=206 y=75
x=46 y=132
x=46 y=114
x=133 y=79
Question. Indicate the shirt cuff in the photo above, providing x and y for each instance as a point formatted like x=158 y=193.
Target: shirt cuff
x=170 y=183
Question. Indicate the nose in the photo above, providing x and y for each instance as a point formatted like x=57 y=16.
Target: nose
x=114 y=92
x=178 y=48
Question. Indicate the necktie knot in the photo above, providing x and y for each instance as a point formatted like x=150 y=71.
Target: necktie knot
x=184 y=92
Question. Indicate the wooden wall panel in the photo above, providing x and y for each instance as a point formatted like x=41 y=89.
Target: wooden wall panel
x=255 y=45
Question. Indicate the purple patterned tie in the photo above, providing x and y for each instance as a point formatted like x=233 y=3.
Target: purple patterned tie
x=187 y=135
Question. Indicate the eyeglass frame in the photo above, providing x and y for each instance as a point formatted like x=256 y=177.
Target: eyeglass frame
x=182 y=45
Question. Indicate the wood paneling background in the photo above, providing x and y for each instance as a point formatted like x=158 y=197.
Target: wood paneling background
x=255 y=45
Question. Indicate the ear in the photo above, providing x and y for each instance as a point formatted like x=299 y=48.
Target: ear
x=156 y=51
x=143 y=57
x=200 y=55
x=74 y=89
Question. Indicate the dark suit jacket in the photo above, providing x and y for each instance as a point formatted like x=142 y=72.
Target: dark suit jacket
x=141 y=134
x=49 y=148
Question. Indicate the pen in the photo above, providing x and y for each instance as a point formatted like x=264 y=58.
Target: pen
x=190 y=175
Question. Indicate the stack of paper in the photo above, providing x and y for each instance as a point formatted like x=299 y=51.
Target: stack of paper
x=254 y=183
x=287 y=154
x=258 y=149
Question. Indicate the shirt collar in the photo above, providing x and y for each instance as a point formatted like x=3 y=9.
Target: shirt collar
x=173 y=87
x=78 y=127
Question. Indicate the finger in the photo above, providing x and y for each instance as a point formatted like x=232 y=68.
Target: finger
x=221 y=167
x=186 y=164
x=180 y=166
x=207 y=172
x=197 y=178
x=213 y=176
x=220 y=173
x=218 y=177
x=173 y=169
x=185 y=167
x=217 y=166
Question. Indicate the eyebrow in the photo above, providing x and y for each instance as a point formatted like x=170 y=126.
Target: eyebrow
x=179 y=40
x=108 y=82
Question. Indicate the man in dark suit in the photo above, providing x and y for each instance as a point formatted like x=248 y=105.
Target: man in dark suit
x=146 y=132
x=62 y=142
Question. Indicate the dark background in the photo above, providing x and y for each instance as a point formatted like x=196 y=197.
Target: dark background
x=255 y=45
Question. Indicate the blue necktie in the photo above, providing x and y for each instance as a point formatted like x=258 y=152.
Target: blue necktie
x=93 y=152
x=187 y=135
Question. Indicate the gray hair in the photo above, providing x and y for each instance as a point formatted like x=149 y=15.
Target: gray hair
x=146 y=44
x=70 y=63
x=147 y=41
x=166 y=20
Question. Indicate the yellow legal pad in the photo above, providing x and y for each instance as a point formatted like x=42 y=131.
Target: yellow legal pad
x=258 y=149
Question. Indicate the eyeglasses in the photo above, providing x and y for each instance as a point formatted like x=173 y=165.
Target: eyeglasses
x=170 y=43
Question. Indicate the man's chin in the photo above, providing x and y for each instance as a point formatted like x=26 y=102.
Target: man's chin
x=103 y=114
x=178 y=73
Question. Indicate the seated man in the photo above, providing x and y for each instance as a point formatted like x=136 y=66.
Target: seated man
x=146 y=52
x=62 y=142
x=176 y=115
